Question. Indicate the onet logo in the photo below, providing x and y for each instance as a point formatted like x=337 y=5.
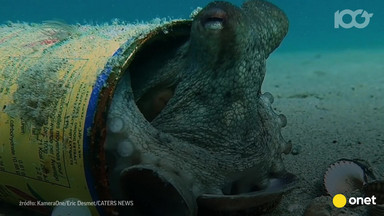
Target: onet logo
x=339 y=200
x=340 y=14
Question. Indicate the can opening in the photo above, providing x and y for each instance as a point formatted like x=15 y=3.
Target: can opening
x=113 y=150
x=152 y=79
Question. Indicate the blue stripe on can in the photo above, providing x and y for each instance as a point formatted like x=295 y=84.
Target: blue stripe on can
x=91 y=111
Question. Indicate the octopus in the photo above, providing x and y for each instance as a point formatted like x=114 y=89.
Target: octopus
x=190 y=132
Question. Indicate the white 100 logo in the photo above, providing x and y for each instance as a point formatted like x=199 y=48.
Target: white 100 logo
x=340 y=14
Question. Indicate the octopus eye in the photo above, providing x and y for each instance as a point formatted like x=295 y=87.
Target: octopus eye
x=214 y=23
x=214 y=19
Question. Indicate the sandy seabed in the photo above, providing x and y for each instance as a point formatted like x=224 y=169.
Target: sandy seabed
x=334 y=103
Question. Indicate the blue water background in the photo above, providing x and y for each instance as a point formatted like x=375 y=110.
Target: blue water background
x=311 y=21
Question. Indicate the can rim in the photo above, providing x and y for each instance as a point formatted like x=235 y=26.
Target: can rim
x=95 y=166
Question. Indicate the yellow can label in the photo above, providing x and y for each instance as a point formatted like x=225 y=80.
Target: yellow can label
x=42 y=129
x=46 y=84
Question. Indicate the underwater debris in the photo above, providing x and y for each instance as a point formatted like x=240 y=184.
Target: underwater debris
x=38 y=93
x=344 y=176
x=347 y=176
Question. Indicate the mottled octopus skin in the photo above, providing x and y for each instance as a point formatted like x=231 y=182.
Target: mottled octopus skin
x=217 y=105
x=217 y=133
